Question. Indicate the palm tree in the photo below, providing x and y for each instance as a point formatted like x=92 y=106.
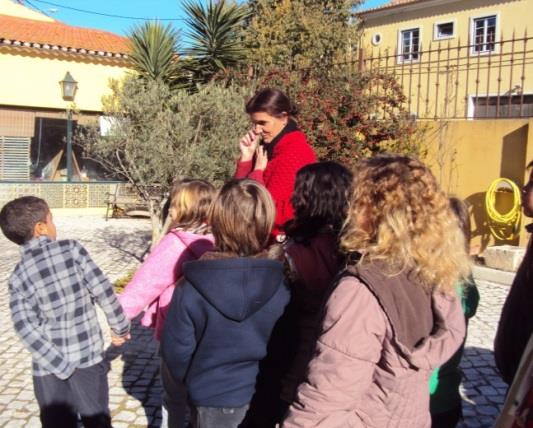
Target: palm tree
x=153 y=51
x=214 y=34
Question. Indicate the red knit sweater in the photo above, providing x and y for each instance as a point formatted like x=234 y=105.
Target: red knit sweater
x=291 y=153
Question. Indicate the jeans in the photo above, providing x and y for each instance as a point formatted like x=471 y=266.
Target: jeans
x=218 y=417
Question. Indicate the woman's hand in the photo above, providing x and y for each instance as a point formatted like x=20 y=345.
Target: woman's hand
x=248 y=145
x=261 y=158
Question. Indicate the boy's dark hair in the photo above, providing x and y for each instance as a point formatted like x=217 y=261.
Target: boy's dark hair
x=19 y=217
x=319 y=199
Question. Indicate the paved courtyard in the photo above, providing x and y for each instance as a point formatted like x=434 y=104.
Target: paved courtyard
x=135 y=392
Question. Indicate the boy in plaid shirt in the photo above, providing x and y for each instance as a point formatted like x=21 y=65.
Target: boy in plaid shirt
x=52 y=293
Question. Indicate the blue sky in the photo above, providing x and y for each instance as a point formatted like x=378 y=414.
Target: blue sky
x=152 y=9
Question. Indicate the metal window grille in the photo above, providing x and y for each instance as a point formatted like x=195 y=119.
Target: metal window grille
x=509 y=106
x=14 y=158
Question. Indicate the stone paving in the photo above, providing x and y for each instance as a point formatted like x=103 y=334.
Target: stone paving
x=135 y=392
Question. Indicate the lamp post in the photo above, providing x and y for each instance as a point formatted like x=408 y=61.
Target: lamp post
x=68 y=92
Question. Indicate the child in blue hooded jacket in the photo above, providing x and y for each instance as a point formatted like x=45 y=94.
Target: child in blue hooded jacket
x=220 y=320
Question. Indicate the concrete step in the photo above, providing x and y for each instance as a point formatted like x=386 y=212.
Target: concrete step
x=482 y=273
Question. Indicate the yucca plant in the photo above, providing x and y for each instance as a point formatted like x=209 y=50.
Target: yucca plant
x=153 y=51
x=214 y=36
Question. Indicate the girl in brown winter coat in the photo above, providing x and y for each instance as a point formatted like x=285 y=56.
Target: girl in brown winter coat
x=394 y=316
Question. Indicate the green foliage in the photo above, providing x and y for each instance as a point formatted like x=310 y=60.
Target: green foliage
x=121 y=282
x=154 y=51
x=289 y=34
x=157 y=134
x=348 y=115
x=214 y=33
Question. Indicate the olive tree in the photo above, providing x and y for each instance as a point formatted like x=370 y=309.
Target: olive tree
x=158 y=135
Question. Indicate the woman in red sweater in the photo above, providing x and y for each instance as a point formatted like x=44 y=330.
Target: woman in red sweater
x=274 y=150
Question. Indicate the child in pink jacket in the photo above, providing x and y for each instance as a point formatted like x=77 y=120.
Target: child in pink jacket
x=151 y=288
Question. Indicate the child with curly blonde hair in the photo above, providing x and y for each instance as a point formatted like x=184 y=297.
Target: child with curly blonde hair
x=394 y=315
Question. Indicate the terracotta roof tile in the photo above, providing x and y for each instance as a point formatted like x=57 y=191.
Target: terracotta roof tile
x=59 y=34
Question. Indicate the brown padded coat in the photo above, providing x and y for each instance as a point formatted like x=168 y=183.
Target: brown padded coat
x=361 y=376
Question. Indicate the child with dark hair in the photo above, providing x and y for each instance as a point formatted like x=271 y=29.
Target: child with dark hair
x=221 y=317
x=312 y=259
x=52 y=292
x=320 y=201
x=445 y=402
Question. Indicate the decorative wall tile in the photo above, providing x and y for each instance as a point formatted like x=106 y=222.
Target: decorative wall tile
x=60 y=195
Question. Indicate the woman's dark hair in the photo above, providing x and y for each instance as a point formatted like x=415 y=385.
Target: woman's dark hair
x=319 y=200
x=271 y=101
x=460 y=210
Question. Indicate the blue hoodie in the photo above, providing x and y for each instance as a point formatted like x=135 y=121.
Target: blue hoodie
x=219 y=324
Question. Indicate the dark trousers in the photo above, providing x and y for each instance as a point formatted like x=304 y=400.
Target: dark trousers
x=86 y=393
x=448 y=419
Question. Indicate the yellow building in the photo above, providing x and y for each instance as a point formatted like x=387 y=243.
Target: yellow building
x=458 y=61
x=36 y=53
x=454 y=59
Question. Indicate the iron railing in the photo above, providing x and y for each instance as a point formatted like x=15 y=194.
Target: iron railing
x=455 y=81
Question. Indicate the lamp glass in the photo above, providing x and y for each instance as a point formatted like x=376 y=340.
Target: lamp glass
x=68 y=87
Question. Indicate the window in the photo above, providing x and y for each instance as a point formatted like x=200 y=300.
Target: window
x=376 y=39
x=14 y=155
x=409 y=45
x=445 y=30
x=484 y=34
x=502 y=106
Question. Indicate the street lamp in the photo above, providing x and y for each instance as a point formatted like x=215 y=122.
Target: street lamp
x=68 y=92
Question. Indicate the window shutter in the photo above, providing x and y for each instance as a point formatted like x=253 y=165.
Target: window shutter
x=14 y=158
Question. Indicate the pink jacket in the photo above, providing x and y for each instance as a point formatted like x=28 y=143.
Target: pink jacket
x=151 y=288
x=358 y=378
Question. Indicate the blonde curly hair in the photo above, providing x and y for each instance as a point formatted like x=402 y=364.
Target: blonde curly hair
x=399 y=216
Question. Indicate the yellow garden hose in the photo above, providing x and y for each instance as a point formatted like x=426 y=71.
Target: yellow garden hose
x=503 y=226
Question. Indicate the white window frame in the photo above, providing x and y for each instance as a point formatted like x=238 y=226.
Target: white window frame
x=400 y=54
x=373 y=39
x=473 y=20
x=447 y=21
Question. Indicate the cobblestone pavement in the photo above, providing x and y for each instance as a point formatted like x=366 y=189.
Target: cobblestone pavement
x=135 y=392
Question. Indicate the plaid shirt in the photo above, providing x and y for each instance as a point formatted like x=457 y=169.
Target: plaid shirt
x=52 y=291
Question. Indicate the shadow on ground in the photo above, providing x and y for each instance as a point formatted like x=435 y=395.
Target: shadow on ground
x=134 y=245
x=140 y=375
